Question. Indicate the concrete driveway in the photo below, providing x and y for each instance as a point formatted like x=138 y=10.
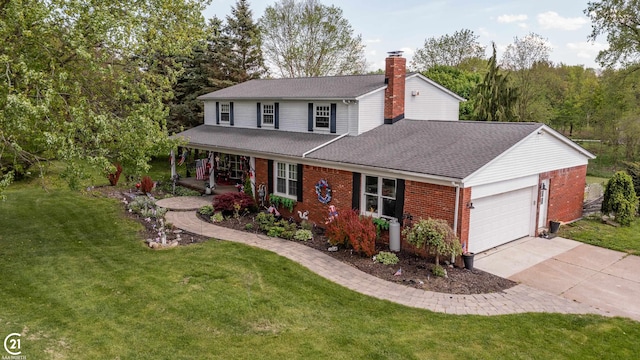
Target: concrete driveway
x=606 y=279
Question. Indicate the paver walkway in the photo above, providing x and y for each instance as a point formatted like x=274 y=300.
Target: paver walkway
x=518 y=299
x=185 y=202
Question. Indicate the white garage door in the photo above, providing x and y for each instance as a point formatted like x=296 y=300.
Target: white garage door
x=500 y=218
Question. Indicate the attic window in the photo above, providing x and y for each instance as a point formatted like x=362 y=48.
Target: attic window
x=224 y=112
x=322 y=115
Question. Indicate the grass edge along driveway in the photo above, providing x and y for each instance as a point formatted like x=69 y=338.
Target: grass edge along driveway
x=77 y=282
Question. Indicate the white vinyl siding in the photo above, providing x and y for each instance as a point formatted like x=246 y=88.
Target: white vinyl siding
x=429 y=103
x=536 y=154
x=293 y=115
x=371 y=111
x=209 y=112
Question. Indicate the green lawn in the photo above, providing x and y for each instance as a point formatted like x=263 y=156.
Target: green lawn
x=78 y=282
x=595 y=232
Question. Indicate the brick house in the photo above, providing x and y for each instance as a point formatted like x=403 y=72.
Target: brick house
x=391 y=145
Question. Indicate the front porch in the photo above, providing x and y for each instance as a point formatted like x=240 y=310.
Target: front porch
x=201 y=185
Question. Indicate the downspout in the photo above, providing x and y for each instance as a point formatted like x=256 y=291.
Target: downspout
x=455 y=214
x=323 y=145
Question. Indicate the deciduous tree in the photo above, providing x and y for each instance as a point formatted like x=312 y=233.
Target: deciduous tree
x=449 y=50
x=307 y=38
x=87 y=82
x=520 y=58
x=620 y=21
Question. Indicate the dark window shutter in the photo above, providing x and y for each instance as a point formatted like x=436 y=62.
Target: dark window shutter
x=259 y=116
x=299 y=189
x=310 y=117
x=217 y=113
x=276 y=116
x=355 y=191
x=332 y=119
x=231 y=113
x=270 y=176
x=399 y=199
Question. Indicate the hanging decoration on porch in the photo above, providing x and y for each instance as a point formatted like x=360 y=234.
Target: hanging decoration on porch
x=320 y=186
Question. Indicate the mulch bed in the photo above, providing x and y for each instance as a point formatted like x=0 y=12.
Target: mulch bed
x=416 y=270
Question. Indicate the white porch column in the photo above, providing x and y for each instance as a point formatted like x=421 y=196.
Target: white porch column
x=173 y=163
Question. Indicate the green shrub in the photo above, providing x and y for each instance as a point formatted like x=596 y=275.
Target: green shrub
x=265 y=221
x=633 y=169
x=303 y=235
x=248 y=227
x=183 y=191
x=206 y=210
x=435 y=236
x=217 y=217
x=306 y=225
x=439 y=271
x=141 y=202
x=355 y=230
x=247 y=186
x=620 y=198
x=387 y=258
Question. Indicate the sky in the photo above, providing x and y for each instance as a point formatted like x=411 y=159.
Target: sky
x=389 y=25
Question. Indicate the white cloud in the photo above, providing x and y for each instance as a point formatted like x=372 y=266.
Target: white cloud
x=552 y=20
x=507 y=18
x=407 y=51
x=373 y=41
x=586 y=50
x=484 y=32
x=523 y=25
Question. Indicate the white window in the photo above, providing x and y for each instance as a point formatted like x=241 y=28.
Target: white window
x=224 y=112
x=322 y=115
x=379 y=196
x=286 y=179
x=268 y=114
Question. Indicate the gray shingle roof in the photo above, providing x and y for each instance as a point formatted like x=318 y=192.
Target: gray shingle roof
x=254 y=140
x=453 y=149
x=330 y=87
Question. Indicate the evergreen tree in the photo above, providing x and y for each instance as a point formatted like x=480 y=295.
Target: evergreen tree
x=495 y=98
x=620 y=198
x=244 y=59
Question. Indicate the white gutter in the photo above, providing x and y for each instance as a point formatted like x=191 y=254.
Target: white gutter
x=323 y=145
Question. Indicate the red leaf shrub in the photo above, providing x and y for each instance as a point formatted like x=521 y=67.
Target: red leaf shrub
x=114 y=177
x=355 y=230
x=226 y=202
x=146 y=184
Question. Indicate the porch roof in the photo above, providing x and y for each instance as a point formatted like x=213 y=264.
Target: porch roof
x=277 y=142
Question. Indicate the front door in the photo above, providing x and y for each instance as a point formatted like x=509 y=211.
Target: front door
x=544 y=203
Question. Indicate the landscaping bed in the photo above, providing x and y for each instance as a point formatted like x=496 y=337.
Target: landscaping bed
x=411 y=270
x=416 y=271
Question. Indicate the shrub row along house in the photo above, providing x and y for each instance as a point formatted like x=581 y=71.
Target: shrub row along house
x=391 y=146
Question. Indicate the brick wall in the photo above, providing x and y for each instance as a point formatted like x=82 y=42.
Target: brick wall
x=424 y=200
x=341 y=183
x=566 y=193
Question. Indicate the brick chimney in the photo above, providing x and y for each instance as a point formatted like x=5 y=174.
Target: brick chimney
x=395 y=72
